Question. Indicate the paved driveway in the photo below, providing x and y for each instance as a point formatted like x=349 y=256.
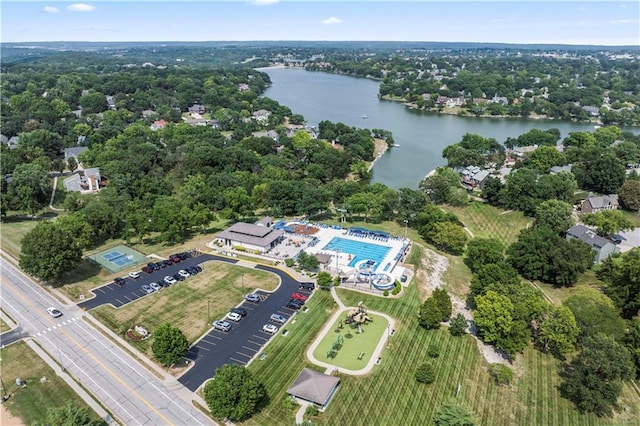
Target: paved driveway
x=121 y=295
x=245 y=338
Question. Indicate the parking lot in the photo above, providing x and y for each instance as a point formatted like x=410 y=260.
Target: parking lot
x=246 y=337
x=239 y=345
x=131 y=290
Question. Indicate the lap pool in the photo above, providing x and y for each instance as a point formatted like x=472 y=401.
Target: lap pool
x=359 y=250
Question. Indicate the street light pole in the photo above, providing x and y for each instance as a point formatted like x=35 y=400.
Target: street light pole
x=406 y=222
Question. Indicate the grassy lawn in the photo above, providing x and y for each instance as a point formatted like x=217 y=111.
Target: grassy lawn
x=30 y=403
x=486 y=221
x=634 y=217
x=4 y=326
x=12 y=229
x=188 y=304
x=353 y=343
x=390 y=394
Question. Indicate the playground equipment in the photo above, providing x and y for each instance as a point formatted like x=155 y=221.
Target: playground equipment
x=357 y=316
x=335 y=347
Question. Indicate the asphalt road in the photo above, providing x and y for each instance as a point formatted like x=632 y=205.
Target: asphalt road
x=124 y=387
x=131 y=291
x=245 y=338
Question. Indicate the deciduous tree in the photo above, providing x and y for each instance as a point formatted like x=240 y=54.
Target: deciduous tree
x=234 y=393
x=170 y=344
x=483 y=251
x=493 y=316
x=629 y=194
x=558 y=331
x=555 y=215
x=452 y=413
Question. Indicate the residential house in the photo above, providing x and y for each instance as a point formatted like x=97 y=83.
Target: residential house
x=261 y=115
x=592 y=110
x=243 y=87
x=111 y=103
x=73 y=152
x=521 y=151
x=197 y=122
x=559 y=169
x=455 y=102
x=597 y=203
x=197 y=109
x=473 y=176
x=603 y=247
x=4 y=139
x=77 y=112
x=148 y=113
x=499 y=100
x=87 y=180
x=13 y=142
x=215 y=124
x=158 y=124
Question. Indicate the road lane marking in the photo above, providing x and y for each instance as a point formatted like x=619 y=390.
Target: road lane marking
x=107 y=370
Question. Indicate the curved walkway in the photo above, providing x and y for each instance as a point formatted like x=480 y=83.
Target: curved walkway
x=53 y=196
x=374 y=356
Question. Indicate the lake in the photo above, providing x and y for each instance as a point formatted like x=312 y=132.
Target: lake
x=421 y=136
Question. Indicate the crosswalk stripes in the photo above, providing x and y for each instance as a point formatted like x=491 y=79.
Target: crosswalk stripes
x=56 y=326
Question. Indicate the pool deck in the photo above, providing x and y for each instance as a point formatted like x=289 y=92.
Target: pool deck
x=340 y=260
x=329 y=328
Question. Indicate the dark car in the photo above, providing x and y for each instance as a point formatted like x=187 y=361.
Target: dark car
x=291 y=304
x=240 y=311
x=147 y=269
x=168 y=262
x=178 y=277
x=154 y=265
x=198 y=268
x=307 y=286
x=192 y=270
x=119 y=281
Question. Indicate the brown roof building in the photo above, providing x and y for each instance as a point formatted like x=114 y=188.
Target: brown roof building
x=251 y=237
x=314 y=387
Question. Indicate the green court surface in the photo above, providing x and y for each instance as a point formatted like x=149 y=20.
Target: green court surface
x=353 y=344
x=118 y=258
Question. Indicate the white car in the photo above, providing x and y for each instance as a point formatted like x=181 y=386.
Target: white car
x=54 y=312
x=252 y=298
x=184 y=274
x=134 y=275
x=147 y=289
x=170 y=280
x=155 y=286
x=234 y=316
x=270 y=328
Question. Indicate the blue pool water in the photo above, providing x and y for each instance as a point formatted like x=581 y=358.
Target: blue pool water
x=360 y=250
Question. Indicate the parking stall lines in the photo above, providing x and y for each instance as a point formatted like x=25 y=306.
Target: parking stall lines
x=238 y=361
x=250 y=349
x=261 y=337
x=215 y=336
x=203 y=348
x=248 y=356
x=254 y=343
x=130 y=300
x=100 y=290
x=120 y=302
x=207 y=342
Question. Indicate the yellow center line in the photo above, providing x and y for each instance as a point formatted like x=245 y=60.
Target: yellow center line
x=122 y=382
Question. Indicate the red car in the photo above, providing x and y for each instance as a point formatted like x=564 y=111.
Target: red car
x=174 y=258
x=299 y=296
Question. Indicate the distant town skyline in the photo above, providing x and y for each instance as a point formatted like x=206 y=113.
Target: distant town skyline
x=529 y=22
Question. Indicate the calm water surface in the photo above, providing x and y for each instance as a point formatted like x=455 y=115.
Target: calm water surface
x=421 y=136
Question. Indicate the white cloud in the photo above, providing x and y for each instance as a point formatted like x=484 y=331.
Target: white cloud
x=331 y=21
x=624 y=21
x=264 y=2
x=50 y=9
x=80 y=7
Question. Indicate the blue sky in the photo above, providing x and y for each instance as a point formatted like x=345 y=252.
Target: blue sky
x=567 y=22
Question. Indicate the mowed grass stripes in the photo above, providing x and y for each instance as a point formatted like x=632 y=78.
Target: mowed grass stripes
x=389 y=395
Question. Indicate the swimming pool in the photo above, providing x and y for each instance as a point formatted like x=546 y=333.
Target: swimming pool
x=359 y=250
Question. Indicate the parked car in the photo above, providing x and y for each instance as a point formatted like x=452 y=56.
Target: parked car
x=192 y=270
x=119 y=281
x=147 y=269
x=168 y=262
x=233 y=316
x=54 y=312
x=278 y=318
x=170 y=280
x=184 y=255
x=154 y=266
x=299 y=296
x=184 y=273
x=252 y=298
x=270 y=328
x=178 y=277
x=147 y=289
x=175 y=258
x=197 y=268
x=291 y=304
x=221 y=325
x=155 y=286
x=134 y=275
x=240 y=311
x=309 y=286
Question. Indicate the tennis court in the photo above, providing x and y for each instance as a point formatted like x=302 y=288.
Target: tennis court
x=118 y=258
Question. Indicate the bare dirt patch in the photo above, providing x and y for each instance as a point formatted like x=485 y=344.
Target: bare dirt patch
x=431 y=276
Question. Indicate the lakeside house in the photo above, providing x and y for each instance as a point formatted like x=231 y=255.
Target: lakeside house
x=602 y=247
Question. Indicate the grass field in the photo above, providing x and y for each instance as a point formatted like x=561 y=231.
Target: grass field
x=353 y=343
x=390 y=394
x=486 y=221
x=634 y=217
x=4 y=326
x=31 y=402
x=189 y=304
